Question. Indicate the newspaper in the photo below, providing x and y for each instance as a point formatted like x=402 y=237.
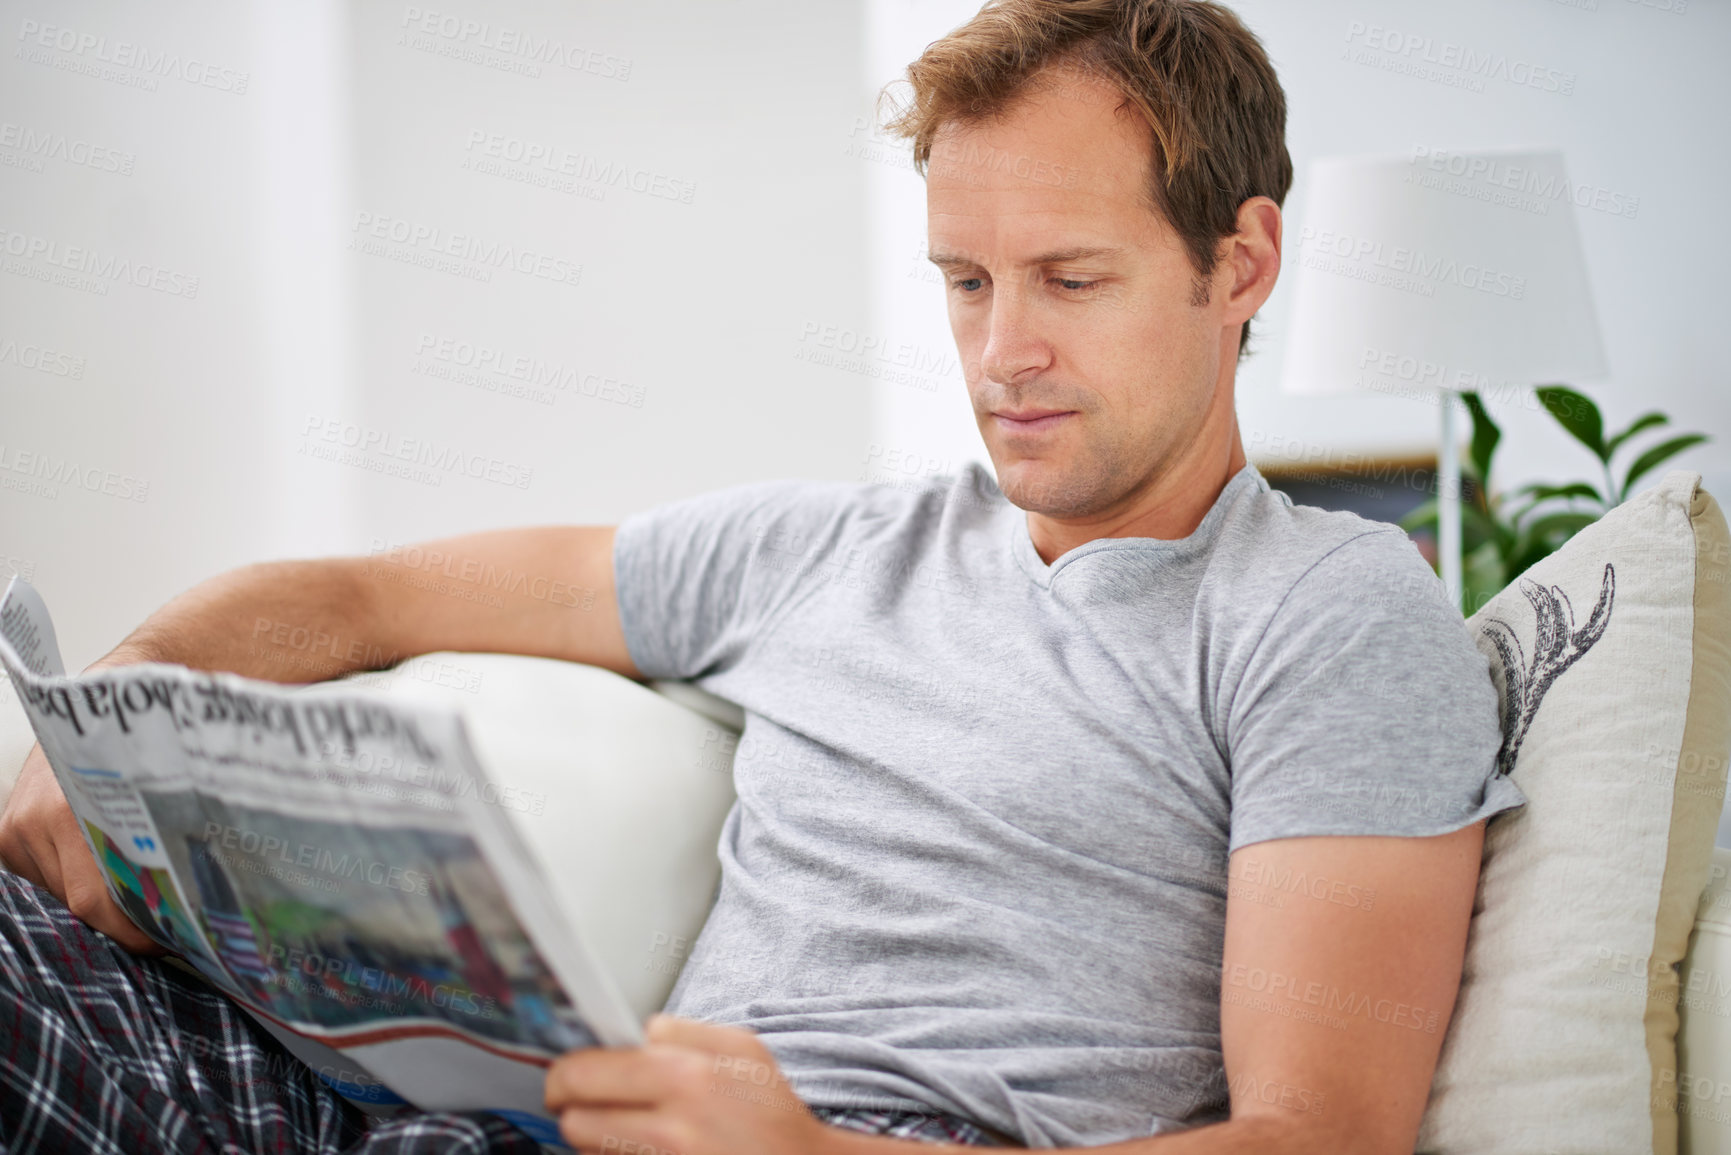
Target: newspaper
x=326 y=856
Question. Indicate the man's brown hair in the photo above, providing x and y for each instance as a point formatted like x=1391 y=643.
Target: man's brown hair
x=1200 y=79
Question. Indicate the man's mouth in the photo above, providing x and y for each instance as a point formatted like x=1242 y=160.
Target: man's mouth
x=1030 y=420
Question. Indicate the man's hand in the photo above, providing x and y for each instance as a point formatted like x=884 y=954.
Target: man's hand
x=693 y=1088
x=40 y=841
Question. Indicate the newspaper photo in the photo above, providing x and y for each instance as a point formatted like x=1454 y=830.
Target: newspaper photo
x=324 y=855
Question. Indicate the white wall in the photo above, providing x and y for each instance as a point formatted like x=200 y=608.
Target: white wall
x=698 y=291
x=697 y=284
x=1641 y=122
x=157 y=395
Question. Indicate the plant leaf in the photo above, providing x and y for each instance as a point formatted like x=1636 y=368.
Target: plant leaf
x=1541 y=507
x=1540 y=494
x=1485 y=436
x=1566 y=524
x=1645 y=421
x=1424 y=517
x=1576 y=413
x=1482 y=577
x=1529 y=554
x=1474 y=536
x=1659 y=453
x=1478 y=527
x=1575 y=489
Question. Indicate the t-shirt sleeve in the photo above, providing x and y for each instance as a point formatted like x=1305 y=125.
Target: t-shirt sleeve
x=698 y=579
x=1365 y=708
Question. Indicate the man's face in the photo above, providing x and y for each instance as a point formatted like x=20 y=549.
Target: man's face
x=1089 y=364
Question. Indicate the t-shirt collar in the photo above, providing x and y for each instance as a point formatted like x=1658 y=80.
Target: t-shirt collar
x=1247 y=479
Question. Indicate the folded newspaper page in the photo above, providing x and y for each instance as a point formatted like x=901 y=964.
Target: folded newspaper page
x=329 y=858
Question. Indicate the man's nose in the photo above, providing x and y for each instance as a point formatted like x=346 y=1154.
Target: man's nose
x=1014 y=345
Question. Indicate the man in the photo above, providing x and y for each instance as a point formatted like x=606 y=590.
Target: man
x=1140 y=809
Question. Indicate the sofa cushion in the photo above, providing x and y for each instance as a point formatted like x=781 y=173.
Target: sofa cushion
x=1613 y=661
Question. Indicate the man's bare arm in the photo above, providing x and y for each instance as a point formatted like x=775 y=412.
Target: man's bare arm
x=546 y=592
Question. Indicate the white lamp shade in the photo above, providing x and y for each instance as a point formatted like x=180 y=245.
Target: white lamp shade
x=1448 y=271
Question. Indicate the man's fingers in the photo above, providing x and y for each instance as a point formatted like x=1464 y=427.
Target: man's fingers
x=624 y=1076
x=101 y=914
x=685 y=1097
x=714 y=1037
x=85 y=890
x=735 y=1054
x=87 y=897
x=40 y=840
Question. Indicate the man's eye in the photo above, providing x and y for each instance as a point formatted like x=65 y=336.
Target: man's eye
x=967 y=284
x=1075 y=286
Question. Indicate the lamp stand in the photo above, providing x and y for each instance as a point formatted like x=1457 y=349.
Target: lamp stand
x=1448 y=500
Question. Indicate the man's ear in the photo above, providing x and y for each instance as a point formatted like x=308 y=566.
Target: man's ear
x=1252 y=260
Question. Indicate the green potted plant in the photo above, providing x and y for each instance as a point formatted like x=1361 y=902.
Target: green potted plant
x=1503 y=534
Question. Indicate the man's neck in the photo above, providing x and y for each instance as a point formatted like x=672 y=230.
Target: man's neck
x=1171 y=507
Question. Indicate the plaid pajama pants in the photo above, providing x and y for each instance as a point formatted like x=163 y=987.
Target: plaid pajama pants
x=104 y=1052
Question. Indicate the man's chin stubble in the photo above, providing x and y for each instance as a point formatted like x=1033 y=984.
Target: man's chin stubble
x=1062 y=498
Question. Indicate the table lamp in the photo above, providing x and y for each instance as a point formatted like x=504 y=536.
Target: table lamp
x=1436 y=273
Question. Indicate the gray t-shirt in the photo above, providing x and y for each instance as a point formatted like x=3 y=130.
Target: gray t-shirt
x=979 y=857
